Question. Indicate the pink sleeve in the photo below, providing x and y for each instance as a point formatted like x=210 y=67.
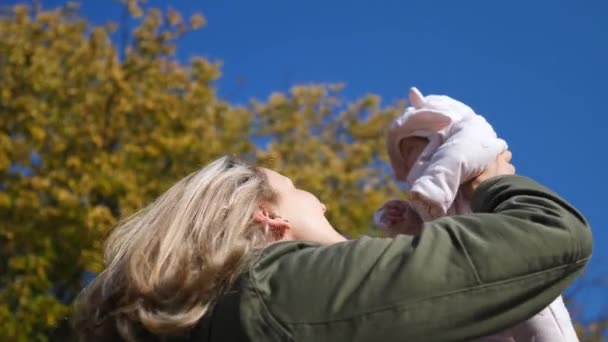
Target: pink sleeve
x=470 y=146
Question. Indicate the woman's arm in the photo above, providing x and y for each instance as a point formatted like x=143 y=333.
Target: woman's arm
x=463 y=277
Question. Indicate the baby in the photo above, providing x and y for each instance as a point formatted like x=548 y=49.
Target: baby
x=435 y=146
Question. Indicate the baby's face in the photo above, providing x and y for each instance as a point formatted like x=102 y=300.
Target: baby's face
x=410 y=149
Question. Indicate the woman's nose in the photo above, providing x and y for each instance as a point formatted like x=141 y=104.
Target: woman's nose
x=323 y=207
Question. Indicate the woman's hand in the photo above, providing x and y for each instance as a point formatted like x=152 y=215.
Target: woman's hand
x=501 y=166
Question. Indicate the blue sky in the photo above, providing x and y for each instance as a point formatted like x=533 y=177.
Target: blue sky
x=535 y=69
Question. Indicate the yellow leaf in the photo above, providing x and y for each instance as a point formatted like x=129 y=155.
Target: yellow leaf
x=197 y=21
x=73 y=162
x=174 y=17
x=5 y=163
x=37 y=133
x=5 y=200
x=97 y=140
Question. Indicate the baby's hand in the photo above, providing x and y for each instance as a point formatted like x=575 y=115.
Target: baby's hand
x=398 y=217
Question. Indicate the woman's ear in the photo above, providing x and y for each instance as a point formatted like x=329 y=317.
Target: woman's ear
x=278 y=226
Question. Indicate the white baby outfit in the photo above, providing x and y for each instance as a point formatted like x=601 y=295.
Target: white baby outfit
x=461 y=144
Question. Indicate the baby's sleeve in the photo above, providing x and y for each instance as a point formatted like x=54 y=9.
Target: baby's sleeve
x=470 y=145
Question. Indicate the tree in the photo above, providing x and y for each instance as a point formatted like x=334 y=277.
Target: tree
x=90 y=132
x=595 y=330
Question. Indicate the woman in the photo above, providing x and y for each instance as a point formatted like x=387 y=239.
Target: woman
x=237 y=253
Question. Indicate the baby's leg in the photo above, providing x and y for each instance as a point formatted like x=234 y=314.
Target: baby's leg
x=553 y=324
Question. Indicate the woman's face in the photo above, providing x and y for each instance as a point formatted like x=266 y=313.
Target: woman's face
x=304 y=213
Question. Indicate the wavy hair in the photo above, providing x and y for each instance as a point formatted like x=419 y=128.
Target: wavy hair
x=167 y=263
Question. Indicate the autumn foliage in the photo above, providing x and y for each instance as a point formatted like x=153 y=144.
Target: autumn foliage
x=91 y=131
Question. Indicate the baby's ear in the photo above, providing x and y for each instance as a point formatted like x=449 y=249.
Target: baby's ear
x=427 y=121
x=416 y=98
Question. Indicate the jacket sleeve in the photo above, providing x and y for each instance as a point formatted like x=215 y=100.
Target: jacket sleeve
x=463 y=277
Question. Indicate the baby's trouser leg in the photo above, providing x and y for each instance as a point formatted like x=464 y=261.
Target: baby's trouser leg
x=553 y=324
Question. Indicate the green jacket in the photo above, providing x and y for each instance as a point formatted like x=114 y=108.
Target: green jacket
x=464 y=277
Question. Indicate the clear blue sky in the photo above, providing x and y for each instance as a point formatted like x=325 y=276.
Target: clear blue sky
x=536 y=69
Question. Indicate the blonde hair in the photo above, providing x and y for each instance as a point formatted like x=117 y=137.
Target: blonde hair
x=167 y=263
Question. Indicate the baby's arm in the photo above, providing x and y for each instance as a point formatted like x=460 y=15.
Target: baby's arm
x=470 y=145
